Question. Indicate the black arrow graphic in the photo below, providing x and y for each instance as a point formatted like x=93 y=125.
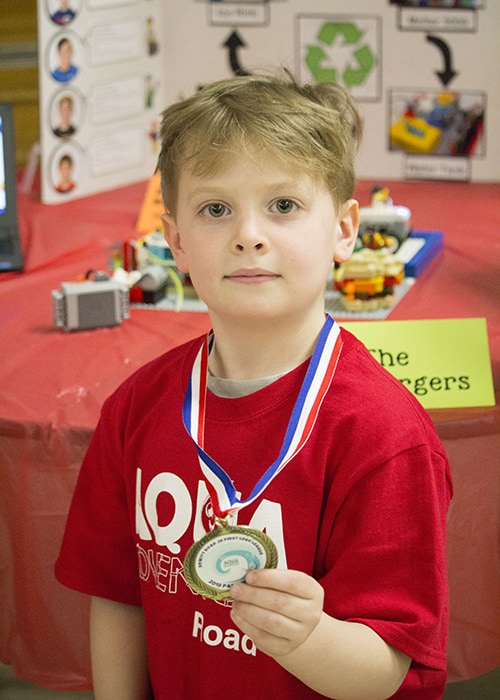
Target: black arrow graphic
x=446 y=75
x=233 y=43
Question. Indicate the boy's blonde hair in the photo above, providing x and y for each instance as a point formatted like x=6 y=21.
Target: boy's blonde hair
x=312 y=129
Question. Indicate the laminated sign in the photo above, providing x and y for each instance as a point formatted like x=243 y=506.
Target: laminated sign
x=445 y=363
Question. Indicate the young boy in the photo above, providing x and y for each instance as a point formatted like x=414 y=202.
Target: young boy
x=278 y=421
x=65 y=70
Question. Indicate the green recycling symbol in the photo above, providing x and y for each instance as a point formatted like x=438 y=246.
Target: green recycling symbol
x=363 y=60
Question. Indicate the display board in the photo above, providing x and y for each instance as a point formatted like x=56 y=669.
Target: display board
x=421 y=71
x=101 y=68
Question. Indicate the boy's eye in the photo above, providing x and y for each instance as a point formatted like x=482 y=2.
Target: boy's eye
x=216 y=210
x=284 y=206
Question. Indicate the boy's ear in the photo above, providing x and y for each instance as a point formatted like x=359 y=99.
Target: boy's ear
x=173 y=238
x=347 y=231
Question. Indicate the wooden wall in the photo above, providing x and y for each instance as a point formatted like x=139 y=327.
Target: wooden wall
x=19 y=70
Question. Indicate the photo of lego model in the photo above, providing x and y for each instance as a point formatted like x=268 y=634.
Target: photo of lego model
x=442 y=122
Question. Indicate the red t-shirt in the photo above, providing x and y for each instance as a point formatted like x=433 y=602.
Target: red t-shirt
x=362 y=508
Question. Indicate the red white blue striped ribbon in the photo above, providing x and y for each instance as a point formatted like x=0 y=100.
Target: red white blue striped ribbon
x=318 y=378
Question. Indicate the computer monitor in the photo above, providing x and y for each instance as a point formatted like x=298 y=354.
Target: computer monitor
x=11 y=257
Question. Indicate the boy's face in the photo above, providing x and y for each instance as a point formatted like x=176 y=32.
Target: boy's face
x=65 y=55
x=257 y=240
x=65 y=111
x=65 y=169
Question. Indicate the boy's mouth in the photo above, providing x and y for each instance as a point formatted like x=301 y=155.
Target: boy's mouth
x=252 y=276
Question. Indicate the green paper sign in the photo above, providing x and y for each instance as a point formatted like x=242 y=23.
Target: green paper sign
x=445 y=363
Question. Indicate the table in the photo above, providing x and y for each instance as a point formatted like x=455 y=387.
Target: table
x=52 y=385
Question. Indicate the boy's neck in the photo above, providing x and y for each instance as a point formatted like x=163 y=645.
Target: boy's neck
x=261 y=349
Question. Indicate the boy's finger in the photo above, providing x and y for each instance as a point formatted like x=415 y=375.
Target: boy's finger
x=294 y=583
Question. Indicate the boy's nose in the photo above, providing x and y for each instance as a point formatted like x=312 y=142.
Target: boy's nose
x=249 y=235
x=240 y=247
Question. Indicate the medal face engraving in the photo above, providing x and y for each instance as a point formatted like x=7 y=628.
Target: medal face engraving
x=223 y=557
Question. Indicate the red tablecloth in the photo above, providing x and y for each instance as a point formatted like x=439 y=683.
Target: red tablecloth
x=52 y=385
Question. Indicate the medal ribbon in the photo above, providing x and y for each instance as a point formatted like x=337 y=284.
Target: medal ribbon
x=318 y=378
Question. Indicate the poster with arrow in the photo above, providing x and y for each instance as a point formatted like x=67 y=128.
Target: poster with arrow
x=439 y=122
x=437 y=68
x=438 y=129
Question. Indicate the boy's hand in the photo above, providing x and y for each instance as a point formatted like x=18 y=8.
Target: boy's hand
x=277 y=608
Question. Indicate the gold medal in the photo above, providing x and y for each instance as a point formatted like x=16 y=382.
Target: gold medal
x=223 y=557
